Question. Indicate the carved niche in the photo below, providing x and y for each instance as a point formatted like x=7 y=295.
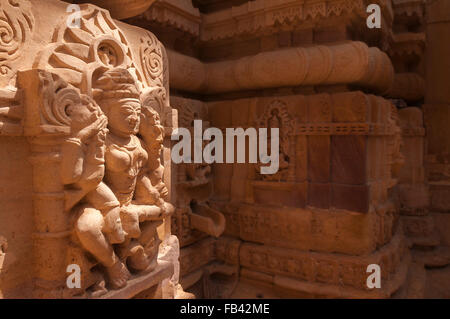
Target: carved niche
x=276 y=115
x=194 y=218
x=282 y=186
x=16 y=28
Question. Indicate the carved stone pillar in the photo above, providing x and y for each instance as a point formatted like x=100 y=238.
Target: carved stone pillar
x=51 y=238
x=65 y=100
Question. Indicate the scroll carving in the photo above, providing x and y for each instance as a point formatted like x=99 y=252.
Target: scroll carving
x=16 y=27
x=151 y=59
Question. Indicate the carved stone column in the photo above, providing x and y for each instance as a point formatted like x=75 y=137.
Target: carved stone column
x=61 y=96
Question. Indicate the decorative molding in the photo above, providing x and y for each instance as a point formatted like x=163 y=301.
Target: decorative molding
x=407 y=44
x=335 y=274
x=262 y=16
x=123 y=9
x=409 y=8
x=180 y=15
x=197 y=255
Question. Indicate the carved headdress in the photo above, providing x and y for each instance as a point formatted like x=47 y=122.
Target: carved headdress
x=116 y=84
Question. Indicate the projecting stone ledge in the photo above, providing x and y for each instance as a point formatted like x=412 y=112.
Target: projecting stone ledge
x=141 y=283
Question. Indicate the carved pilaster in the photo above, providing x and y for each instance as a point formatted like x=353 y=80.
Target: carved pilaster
x=67 y=103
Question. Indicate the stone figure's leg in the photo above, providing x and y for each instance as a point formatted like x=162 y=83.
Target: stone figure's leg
x=132 y=215
x=150 y=213
x=114 y=230
x=89 y=230
x=103 y=199
x=129 y=216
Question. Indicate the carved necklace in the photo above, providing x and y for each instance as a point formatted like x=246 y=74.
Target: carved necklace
x=130 y=150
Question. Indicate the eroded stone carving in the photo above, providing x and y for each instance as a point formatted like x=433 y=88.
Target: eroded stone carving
x=276 y=115
x=195 y=218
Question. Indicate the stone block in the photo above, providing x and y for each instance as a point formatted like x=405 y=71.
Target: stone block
x=319 y=156
x=348 y=159
x=319 y=195
x=350 y=197
x=350 y=107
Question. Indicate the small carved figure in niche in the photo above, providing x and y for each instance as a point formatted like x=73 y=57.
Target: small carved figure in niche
x=198 y=173
x=275 y=121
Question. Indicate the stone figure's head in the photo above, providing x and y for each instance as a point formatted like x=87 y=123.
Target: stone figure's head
x=83 y=112
x=118 y=94
x=151 y=129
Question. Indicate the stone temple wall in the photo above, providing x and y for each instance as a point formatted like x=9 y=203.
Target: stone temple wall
x=86 y=115
x=76 y=188
x=354 y=188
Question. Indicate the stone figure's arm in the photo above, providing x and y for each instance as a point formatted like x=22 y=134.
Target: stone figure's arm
x=72 y=150
x=72 y=161
x=146 y=193
x=149 y=195
x=156 y=178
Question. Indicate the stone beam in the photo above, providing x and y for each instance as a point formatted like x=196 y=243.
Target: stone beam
x=344 y=63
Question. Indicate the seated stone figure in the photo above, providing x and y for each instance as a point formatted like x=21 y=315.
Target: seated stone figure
x=152 y=133
x=125 y=170
x=83 y=165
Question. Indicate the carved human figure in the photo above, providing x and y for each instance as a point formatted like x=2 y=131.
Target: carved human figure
x=97 y=210
x=83 y=165
x=152 y=133
x=275 y=121
x=198 y=173
x=125 y=171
